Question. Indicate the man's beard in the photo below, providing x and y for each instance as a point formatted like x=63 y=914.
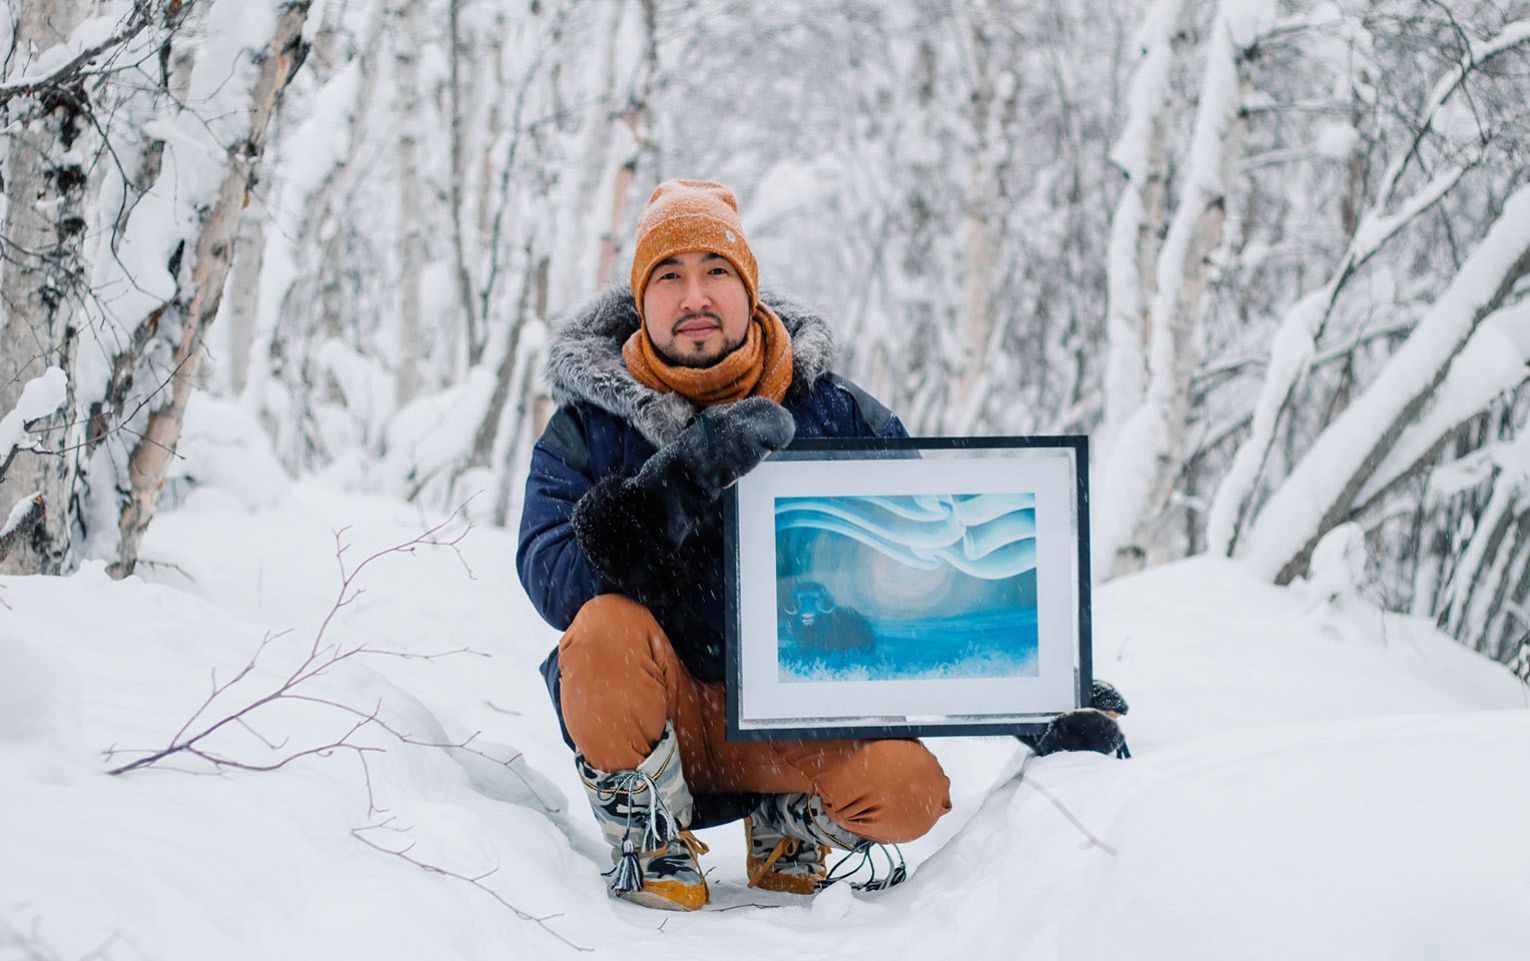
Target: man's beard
x=699 y=361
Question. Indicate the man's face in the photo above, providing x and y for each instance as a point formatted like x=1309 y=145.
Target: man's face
x=696 y=309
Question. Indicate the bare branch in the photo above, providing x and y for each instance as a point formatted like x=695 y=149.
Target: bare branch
x=1475 y=57
x=202 y=725
x=404 y=854
x=464 y=745
x=1089 y=835
x=1023 y=777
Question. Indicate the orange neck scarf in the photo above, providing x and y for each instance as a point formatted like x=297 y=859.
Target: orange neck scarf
x=760 y=367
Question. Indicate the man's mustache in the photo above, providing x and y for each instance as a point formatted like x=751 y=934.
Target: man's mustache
x=675 y=329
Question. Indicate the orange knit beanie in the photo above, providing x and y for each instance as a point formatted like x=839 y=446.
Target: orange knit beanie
x=686 y=216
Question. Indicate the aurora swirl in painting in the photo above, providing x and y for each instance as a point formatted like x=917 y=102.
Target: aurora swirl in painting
x=906 y=587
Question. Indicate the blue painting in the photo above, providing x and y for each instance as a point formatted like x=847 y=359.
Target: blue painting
x=920 y=586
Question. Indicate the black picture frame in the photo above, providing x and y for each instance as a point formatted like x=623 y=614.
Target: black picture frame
x=854 y=450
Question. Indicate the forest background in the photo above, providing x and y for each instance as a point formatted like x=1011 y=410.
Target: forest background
x=1272 y=257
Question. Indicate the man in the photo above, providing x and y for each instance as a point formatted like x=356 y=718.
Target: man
x=667 y=394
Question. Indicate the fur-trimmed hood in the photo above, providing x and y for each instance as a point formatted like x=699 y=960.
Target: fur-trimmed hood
x=584 y=361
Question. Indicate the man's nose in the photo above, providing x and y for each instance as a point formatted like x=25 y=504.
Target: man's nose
x=693 y=295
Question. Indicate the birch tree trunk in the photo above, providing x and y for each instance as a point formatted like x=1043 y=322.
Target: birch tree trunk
x=980 y=205
x=319 y=193
x=196 y=304
x=244 y=298
x=406 y=19
x=493 y=427
x=636 y=118
x=1512 y=600
x=42 y=288
x=1137 y=226
x=1480 y=579
x=580 y=264
x=1143 y=467
x=457 y=53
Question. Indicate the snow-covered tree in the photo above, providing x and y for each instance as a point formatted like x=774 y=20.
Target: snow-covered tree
x=134 y=134
x=1209 y=233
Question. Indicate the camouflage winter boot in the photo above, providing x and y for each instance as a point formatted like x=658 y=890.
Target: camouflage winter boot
x=643 y=814
x=790 y=837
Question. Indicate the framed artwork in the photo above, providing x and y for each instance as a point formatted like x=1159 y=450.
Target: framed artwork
x=908 y=588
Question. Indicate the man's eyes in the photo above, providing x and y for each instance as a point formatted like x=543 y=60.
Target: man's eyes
x=719 y=271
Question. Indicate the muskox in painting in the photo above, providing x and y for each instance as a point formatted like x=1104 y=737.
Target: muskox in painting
x=815 y=625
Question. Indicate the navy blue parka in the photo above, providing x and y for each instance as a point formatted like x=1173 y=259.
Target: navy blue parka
x=608 y=424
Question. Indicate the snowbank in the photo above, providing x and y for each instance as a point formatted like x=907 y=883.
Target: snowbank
x=1311 y=780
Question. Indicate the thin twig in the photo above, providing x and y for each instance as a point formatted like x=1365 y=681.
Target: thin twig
x=1063 y=808
x=320 y=660
x=464 y=745
x=476 y=881
x=275 y=746
x=168 y=565
x=366 y=776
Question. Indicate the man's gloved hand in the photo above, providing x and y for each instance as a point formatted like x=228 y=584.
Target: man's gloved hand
x=1091 y=728
x=721 y=445
x=1084 y=729
x=1103 y=696
x=634 y=529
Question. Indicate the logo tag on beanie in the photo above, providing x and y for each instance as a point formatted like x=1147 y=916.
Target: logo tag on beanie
x=732 y=237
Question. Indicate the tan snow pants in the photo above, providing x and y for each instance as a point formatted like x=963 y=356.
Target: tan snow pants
x=621 y=680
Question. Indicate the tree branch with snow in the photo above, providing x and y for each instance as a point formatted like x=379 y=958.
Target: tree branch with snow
x=1322 y=489
x=40 y=397
x=78 y=67
x=22 y=519
x=1294 y=344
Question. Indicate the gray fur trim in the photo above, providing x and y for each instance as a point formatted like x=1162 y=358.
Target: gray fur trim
x=584 y=361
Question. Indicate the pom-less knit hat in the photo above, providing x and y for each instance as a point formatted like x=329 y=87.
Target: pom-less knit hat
x=686 y=216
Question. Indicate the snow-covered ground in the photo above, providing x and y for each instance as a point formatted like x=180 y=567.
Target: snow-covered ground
x=1310 y=780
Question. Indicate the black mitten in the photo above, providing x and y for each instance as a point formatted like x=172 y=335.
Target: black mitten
x=721 y=445
x=1084 y=729
x=635 y=529
x=1104 y=697
x=1091 y=728
x=615 y=525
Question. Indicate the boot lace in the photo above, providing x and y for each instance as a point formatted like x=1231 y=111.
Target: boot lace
x=693 y=844
x=897 y=867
